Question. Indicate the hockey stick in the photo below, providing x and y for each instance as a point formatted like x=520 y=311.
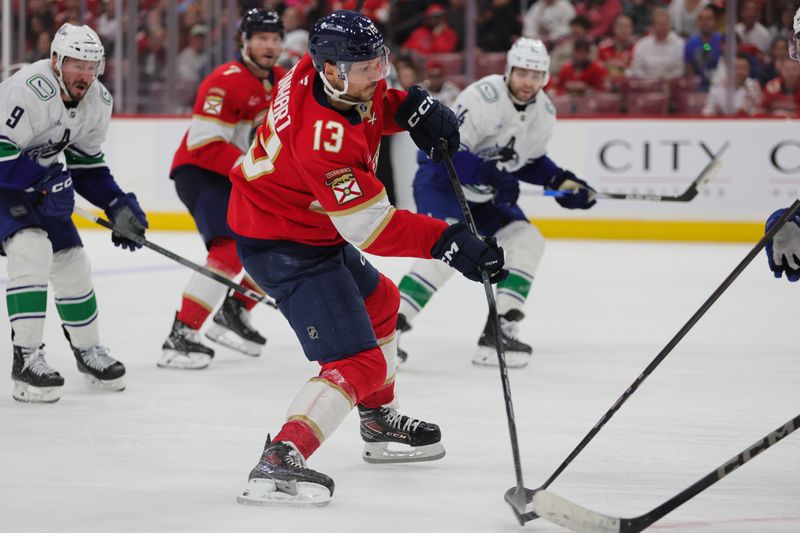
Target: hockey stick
x=88 y=215
x=688 y=195
x=664 y=353
x=577 y=518
x=515 y=496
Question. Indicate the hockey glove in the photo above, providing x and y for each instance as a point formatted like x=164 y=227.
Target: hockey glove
x=57 y=198
x=783 y=251
x=506 y=187
x=428 y=121
x=582 y=197
x=468 y=254
x=126 y=215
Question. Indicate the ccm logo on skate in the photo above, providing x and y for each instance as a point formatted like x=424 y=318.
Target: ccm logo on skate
x=451 y=253
x=426 y=104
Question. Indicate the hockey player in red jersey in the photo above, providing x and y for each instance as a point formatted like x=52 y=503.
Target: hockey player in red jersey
x=304 y=201
x=231 y=102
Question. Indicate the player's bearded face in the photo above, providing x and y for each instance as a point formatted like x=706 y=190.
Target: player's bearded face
x=362 y=78
x=264 y=48
x=524 y=83
x=78 y=76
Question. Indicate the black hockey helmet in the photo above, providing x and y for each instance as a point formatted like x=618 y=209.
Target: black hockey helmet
x=344 y=37
x=261 y=20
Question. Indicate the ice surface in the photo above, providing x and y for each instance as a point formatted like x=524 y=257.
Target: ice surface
x=172 y=452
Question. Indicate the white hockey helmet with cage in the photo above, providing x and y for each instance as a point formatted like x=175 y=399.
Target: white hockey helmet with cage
x=530 y=54
x=77 y=42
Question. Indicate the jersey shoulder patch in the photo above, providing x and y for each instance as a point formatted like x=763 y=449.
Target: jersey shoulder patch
x=43 y=88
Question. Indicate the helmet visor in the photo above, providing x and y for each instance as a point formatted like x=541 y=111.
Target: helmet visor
x=370 y=71
x=72 y=65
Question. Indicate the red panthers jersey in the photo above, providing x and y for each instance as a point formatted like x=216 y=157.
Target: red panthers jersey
x=309 y=175
x=230 y=103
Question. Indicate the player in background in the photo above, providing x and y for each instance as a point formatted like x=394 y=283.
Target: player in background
x=231 y=102
x=305 y=199
x=506 y=123
x=52 y=106
x=783 y=251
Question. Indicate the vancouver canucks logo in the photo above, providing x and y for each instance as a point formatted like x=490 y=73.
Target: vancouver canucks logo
x=48 y=150
x=503 y=154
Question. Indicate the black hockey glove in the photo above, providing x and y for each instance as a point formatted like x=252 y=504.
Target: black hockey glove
x=428 y=121
x=124 y=212
x=506 y=187
x=57 y=198
x=582 y=195
x=468 y=254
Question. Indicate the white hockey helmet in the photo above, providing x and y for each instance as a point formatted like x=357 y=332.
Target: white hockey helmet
x=77 y=42
x=794 y=37
x=529 y=54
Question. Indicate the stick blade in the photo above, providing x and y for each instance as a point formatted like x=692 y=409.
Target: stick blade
x=563 y=512
x=705 y=176
x=520 y=501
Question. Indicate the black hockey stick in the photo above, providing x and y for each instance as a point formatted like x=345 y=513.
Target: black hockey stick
x=577 y=518
x=688 y=195
x=515 y=496
x=528 y=516
x=88 y=215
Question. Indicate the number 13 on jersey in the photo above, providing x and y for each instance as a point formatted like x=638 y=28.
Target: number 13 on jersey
x=333 y=133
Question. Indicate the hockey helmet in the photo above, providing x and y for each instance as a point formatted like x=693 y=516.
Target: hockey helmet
x=77 y=42
x=794 y=37
x=530 y=54
x=261 y=20
x=344 y=38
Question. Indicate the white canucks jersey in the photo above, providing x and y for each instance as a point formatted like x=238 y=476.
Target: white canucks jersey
x=35 y=122
x=493 y=129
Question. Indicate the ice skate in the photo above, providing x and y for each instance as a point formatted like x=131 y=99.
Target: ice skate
x=183 y=349
x=100 y=370
x=413 y=440
x=282 y=478
x=34 y=380
x=402 y=327
x=517 y=352
x=231 y=327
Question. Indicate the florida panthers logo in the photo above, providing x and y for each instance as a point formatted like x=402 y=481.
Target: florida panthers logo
x=344 y=185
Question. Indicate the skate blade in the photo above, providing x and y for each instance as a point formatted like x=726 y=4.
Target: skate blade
x=264 y=492
x=178 y=360
x=487 y=356
x=379 y=452
x=27 y=393
x=231 y=340
x=116 y=385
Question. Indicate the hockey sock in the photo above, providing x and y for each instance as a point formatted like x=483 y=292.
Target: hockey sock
x=75 y=300
x=248 y=282
x=513 y=291
x=418 y=286
x=30 y=255
x=202 y=293
x=382 y=307
x=524 y=248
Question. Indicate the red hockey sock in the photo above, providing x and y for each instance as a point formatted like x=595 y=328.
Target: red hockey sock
x=301 y=435
x=193 y=313
x=249 y=303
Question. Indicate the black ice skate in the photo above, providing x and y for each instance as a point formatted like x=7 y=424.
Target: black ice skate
x=383 y=425
x=282 y=478
x=402 y=327
x=183 y=349
x=34 y=380
x=100 y=369
x=517 y=352
x=231 y=327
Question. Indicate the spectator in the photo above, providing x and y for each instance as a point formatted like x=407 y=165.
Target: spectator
x=434 y=36
x=579 y=28
x=498 y=25
x=407 y=71
x=616 y=52
x=683 y=14
x=779 y=51
x=295 y=43
x=782 y=95
x=783 y=26
x=746 y=99
x=750 y=30
x=660 y=54
x=640 y=12
x=580 y=75
x=42 y=48
x=192 y=64
x=455 y=19
x=440 y=87
x=601 y=13
x=703 y=50
x=548 y=20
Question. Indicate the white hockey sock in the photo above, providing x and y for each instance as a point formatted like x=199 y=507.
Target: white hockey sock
x=418 y=286
x=30 y=255
x=523 y=245
x=71 y=275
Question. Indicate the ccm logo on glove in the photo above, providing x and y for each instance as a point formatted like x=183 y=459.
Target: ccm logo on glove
x=58 y=187
x=423 y=108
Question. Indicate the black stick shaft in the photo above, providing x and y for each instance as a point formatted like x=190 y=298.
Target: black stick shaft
x=487 y=286
x=183 y=261
x=675 y=340
x=641 y=522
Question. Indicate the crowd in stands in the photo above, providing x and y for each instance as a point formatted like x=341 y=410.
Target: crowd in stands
x=608 y=56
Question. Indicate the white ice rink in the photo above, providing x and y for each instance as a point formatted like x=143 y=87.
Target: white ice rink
x=171 y=453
